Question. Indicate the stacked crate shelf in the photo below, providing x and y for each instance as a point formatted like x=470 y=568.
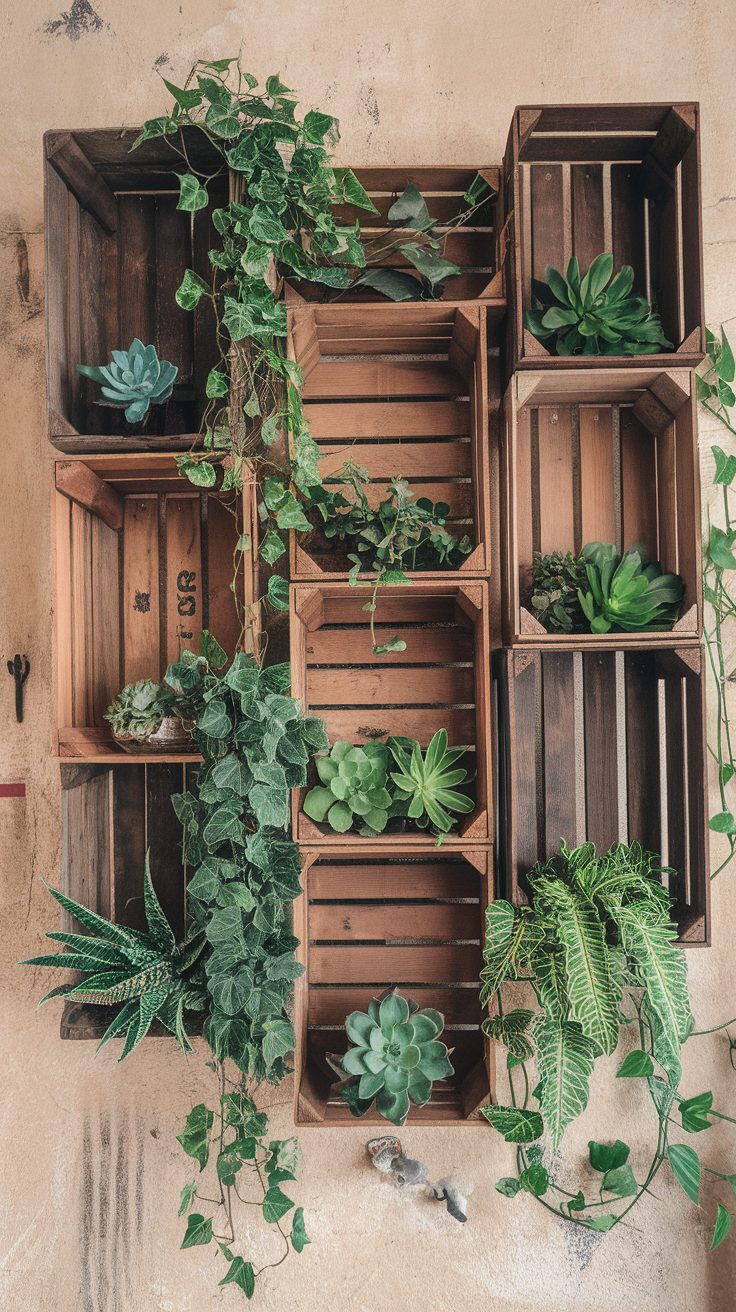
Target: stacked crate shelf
x=602 y=737
x=402 y=390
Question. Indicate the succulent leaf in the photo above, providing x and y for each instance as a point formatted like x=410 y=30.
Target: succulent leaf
x=396 y=1058
x=134 y=379
x=595 y=315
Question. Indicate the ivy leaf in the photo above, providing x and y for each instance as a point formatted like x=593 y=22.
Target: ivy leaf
x=514 y=1123
x=318 y=126
x=299 y=1237
x=720 y=548
x=565 y=1059
x=353 y=191
x=722 y=823
x=635 y=1064
x=188 y=99
x=275 y=1204
x=275 y=87
x=725 y=466
x=620 y=1181
x=270 y=808
x=535 y=1179
x=192 y=195
x=217 y=384
x=726 y=367
x=241 y=1274
x=508 y=1185
x=410 y=210
x=722 y=1226
x=279 y=1038
x=432 y=266
x=271 y=430
x=215 y=720
x=272 y=547
x=199 y=1231
x=685 y=1164
x=392 y=283
x=602 y=1223
x=155 y=127
x=190 y=292
x=223 y=119
x=278 y=592
x=187 y=1194
x=199 y=472
x=694 y=1112
x=195 y=1137
x=607 y=1156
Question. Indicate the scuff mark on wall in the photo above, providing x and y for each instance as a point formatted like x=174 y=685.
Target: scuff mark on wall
x=75 y=22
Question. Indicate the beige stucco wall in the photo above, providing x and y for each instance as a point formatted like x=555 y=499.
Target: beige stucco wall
x=89 y=1168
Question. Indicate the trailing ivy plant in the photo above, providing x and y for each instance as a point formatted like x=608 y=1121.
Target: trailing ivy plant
x=280 y=223
x=597 y=947
x=716 y=395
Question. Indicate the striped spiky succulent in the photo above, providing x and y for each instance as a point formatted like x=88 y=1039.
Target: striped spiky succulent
x=150 y=974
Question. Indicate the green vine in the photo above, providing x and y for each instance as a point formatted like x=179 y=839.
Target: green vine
x=716 y=395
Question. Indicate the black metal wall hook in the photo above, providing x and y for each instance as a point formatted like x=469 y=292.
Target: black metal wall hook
x=19 y=668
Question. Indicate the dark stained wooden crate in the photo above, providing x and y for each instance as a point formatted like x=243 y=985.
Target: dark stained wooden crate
x=110 y=816
x=144 y=562
x=471 y=246
x=582 y=179
x=403 y=390
x=605 y=746
x=605 y=456
x=116 y=250
x=367 y=920
x=442 y=680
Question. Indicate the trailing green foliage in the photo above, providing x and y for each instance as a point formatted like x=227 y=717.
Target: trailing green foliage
x=134 y=380
x=236 y=1160
x=554 y=601
x=624 y=593
x=396 y=1058
x=150 y=974
x=596 y=945
x=357 y=789
x=595 y=314
x=716 y=395
x=256 y=746
x=139 y=709
x=400 y=535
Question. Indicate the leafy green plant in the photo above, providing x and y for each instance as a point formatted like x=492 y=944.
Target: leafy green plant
x=150 y=974
x=625 y=593
x=716 y=395
x=396 y=1058
x=595 y=314
x=596 y=946
x=354 y=788
x=134 y=380
x=399 y=535
x=556 y=578
x=427 y=783
x=139 y=709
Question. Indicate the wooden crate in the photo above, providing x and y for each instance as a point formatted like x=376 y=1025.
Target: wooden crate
x=472 y=247
x=608 y=456
x=605 y=746
x=367 y=921
x=110 y=817
x=440 y=681
x=116 y=251
x=582 y=179
x=401 y=390
x=144 y=562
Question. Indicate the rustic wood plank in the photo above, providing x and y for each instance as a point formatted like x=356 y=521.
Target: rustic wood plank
x=601 y=748
x=393 y=921
x=597 y=502
x=78 y=481
x=164 y=841
x=183 y=618
x=586 y=186
x=105 y=591
x=377 y=419
x=638 y=485
x=427 y=646
x=556 y=452
x=141 y=594
x=415 y=879
x=128 y=845
x=559 y=749
x=343 y=688
x=354 y=964
x=329 y=1005
x=381 y=378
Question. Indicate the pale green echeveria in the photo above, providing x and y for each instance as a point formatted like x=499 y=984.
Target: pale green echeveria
x=353 y=788
x=134 y=379
x=397 y=1056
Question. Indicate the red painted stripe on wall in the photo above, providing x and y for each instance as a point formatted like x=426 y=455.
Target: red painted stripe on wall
x=12 y=790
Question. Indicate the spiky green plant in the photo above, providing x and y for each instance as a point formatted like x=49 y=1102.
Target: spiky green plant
x=153 y=976
x=428 y=784
x=596 y=314
x=397 y=1056
x=134 y=379
x=624 y=593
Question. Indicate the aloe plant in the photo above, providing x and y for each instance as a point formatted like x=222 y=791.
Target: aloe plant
x=625 y=593
x=134 y=379
x=428 y=784
x=396 y=1058
x=595 y=314
x=354 y=788
x=152 y=975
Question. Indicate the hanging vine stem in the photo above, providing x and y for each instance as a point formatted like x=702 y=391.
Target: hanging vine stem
x=716 y=395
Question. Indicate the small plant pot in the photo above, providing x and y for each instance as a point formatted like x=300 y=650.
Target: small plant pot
x=172 y=735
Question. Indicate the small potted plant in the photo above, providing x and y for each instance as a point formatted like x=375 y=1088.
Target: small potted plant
x=133 y=381
x=144 y=718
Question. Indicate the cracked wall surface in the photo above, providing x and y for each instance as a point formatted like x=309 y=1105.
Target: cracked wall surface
x=91 y=1169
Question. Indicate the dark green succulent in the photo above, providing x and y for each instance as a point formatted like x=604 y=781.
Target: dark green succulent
x=427 y=784
x=596 y=314
x=396 y=1058
x=153 y=976
x=139 y=709
x=625 y=593
x=556 y=578
x=134 y=379
x=354 y=788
